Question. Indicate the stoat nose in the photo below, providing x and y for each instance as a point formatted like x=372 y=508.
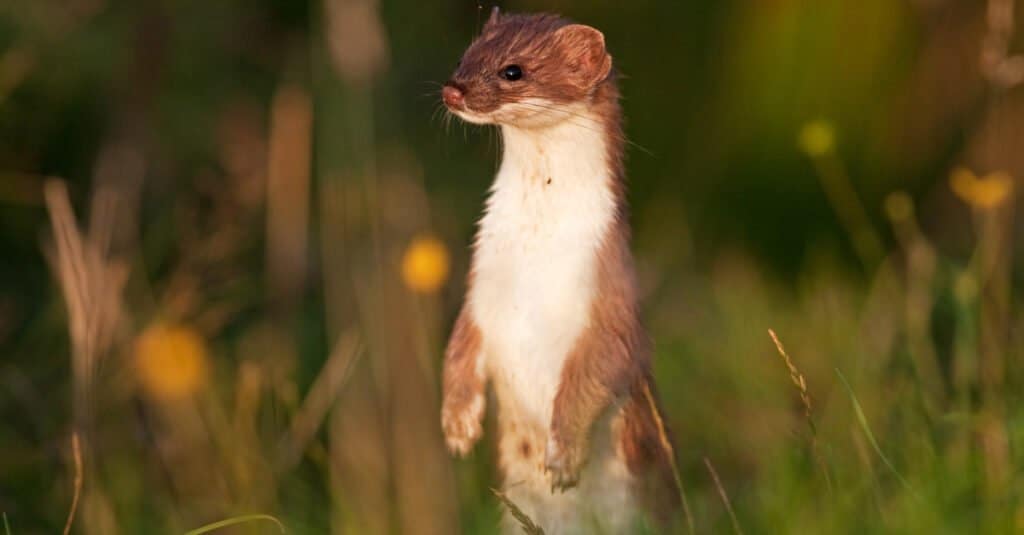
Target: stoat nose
x=452 y=96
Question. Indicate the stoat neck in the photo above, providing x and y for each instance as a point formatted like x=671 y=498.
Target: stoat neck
x=579 y=149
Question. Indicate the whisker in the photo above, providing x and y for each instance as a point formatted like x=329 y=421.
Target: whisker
x=556 y=108
x=448 y=122
x=587 y=119
x=438 y=110
x=575 y=118
x=583 y=118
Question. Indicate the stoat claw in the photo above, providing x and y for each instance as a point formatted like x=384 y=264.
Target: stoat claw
x=563 y=465
x=461 y=423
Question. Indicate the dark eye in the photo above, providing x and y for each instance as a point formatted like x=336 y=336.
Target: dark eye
x=512 y=73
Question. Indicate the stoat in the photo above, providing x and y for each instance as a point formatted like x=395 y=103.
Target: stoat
x=550 y=318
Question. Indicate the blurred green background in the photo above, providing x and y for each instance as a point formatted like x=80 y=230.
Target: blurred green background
x=233 y=237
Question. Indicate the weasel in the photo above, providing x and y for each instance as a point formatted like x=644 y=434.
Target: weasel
x=550 y=318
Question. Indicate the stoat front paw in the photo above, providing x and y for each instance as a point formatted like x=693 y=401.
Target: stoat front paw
x=563 y=462
x=461 y=421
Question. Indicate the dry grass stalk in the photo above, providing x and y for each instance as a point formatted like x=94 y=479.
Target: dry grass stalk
x=76 y=453
x=798 y=380
x=356 y=39
x=326 y=387
x=666 y=445
x=91 y=283
x=725 y=497
x=288 y=182
x=805 y=399
x=524 y=520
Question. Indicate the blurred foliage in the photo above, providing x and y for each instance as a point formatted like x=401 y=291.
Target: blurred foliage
x=233 y=238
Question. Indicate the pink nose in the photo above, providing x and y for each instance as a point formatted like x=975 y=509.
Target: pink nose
x=452 y=96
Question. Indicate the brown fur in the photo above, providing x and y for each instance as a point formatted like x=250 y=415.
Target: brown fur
x=462 y=382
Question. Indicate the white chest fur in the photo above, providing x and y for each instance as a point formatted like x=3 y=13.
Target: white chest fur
x=549 y=210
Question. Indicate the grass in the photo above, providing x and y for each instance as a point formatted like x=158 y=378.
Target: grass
x=863 y=422
x=524 y=520
x=76 y=455
x=725 y=497
x=244 y=519
x=670 y=452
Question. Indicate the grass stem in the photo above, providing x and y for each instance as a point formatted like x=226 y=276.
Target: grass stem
x=666 y=444
x=725 y=497
x=863 y=421
x=236 y=520
x=76 y=453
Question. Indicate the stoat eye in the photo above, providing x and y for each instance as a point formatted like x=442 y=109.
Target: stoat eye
x=511 y=73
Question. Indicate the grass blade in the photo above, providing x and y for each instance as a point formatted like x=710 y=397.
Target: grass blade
x=666 y=445
x=725 y=497
x=236 y=520
x=863 y=421
x=76 y=452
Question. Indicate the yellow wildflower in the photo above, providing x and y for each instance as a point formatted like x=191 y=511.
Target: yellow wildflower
x=985 y=193
x=817 y=138
x=425 y=265
x=170 y=361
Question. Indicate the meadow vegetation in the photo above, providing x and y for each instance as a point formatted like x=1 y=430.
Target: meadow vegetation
x=233 y=240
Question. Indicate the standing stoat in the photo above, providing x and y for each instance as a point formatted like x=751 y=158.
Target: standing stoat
x=551 y=316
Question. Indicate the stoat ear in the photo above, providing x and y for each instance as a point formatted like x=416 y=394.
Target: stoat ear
x=493 y=19
x=587 y=60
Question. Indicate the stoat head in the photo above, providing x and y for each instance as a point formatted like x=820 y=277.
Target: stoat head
x=527 y=71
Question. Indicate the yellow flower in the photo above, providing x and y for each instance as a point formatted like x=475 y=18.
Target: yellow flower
x=817 y=138
x=425 y=264
x=170 y=361
x=985 y=193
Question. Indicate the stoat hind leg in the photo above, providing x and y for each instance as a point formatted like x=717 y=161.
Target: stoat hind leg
x=609 y=356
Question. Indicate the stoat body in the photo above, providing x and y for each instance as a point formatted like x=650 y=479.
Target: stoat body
x=550 y=318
